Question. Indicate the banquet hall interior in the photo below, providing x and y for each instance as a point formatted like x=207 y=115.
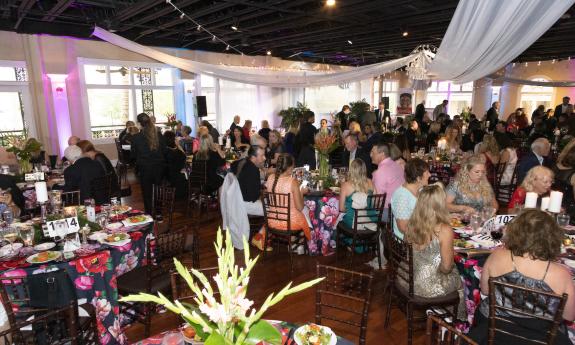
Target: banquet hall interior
x=287 y=172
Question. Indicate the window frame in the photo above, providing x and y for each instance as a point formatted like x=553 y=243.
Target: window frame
x=132 y=87
x=543 y=78
x=449 y=92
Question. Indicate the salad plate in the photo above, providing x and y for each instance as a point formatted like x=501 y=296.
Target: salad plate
x=43 y=257
x=313 y=334
x=137 y=220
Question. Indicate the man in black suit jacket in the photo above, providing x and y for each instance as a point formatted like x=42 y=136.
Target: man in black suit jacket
x=492 y=116
x=81 y=173
x=381 y=114
x=539 y=150
x=353 y=151
x=563 y=108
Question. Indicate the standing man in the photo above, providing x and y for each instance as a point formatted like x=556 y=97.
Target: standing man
x=563 y=108
x=343 y=117
x=235 y=124
x=440 y=109
x=381 y=113
x=388 y=176
x=492 y=116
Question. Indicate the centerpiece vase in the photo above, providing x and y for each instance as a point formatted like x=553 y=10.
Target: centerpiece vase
x=323 y=163
x=25 y=166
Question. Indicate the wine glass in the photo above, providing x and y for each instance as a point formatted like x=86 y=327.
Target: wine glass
x=10 y=234
x=26 y=234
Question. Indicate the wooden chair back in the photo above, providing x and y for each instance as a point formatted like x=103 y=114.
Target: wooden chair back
x=524 y=303
x=372 y=214
x=440 y=332
x=197 y=176
x=71 y=198
x=277 y=209
x=400 y=261
x=503 y=192
x=181 y=290
x=343 y=297
x=161 y=251
x=101 y=188
x=163 y=199
x=121 y=158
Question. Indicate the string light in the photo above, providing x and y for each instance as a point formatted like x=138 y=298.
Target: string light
x=199 y=27
x=350 y=42
x=405 y=33
x=269 y=52
x=228 y=47
x=235 y=28
x=330 y=3
x=539 y=63
x=553 y=61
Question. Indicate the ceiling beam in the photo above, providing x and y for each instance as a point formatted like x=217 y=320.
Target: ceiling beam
x=23 y=9
x=135 y=9
x=157 y=14
x=57 y=9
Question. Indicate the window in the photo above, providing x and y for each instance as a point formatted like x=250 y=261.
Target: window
x=116 y=93
x=389 y=89
x=459 y=96
x=208 y=87
x=495 y=92
x=532 y=96
x=240 y=99
x=14 y=100
x=376 y=98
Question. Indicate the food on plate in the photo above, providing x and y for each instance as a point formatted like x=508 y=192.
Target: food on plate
x=121 y=208
x=462 y=244
x=456 y=223
x=313 y=334
x=43 y=257
x=137 y=219
x=116 y=237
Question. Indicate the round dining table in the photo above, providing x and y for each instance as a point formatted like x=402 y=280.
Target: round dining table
x=323 y=211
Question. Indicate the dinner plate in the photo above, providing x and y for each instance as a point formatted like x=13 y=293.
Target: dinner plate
x=44 y=246
x=117 y=240
x=98 y=236
x=301 y=331
x=43 y=257
x=114 y=226
x=7 y=251
x=137 y=220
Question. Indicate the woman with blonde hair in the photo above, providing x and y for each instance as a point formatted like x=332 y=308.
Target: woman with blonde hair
x=538 y=179
x=275 y=147
x=357 y=184
x=490 y=149
x=471 y=192
x=565 y=174
x=215 y=159
x=453 y=138
x=430 y=234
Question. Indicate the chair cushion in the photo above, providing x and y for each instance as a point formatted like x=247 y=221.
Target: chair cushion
x=450 y=298
x=344 y=228
x=135 y=282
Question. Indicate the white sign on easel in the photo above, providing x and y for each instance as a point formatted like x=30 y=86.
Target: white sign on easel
x=61 y=227
x=497 y=222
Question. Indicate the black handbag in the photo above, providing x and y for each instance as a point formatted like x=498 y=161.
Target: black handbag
x=51 y=290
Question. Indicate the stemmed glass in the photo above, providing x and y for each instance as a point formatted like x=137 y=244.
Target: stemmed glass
x=10 y=234
x=26 y=234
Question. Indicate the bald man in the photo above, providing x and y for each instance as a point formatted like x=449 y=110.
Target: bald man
x=73 y=140
x=235 y=124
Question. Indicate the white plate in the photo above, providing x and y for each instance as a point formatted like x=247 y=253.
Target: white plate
x=31 y=257
x=120 y=243
x=44 y=246
x=148 y=220
x=114 y=226
x=98 y=236
x=302 y=329
x=7 y=250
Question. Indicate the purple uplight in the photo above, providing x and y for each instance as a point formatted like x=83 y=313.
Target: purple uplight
x=61 y=110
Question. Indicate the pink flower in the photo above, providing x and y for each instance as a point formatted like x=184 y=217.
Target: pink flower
x=84 y=282
x=116 y=332
x=103 y=308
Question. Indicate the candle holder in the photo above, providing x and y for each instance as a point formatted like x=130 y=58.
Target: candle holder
x=43 y=210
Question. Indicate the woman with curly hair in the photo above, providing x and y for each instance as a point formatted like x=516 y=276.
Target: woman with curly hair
x=453 y=138
x=532 y=246
x=565 y=173
x=470 y=191
x=539 y=180
x=490 y=150
x=431 y=236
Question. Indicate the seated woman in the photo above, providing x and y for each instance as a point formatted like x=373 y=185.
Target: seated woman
x=88 y=150
x=404 y=198
x=453 y=138
x=215 y=159
x=10 y=195
x=357 y=183
x=38 y=155
x=175 y=163
x=539 y=180
x=565 y=175
x=239 y=142
x=508 y=157
x=275 y=148
x=470 y=191
x=532 y=245
x=188 y=143
x=490 y=149
x=283 y=182
x=430 y=233
x=433 y=135
x=396 y=154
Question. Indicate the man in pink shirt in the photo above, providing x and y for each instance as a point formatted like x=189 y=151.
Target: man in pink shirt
x=389 y=175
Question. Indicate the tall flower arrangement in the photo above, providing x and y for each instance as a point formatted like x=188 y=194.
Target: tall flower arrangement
x=325 y=143
x=230 y=318
x=23 y=149
x=171 y=120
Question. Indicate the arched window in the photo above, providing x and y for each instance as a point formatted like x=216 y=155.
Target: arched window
x=532 y=96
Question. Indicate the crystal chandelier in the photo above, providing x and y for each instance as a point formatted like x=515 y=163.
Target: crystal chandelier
x=417 y=68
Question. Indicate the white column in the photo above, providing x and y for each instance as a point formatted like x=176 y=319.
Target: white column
x=61 y=111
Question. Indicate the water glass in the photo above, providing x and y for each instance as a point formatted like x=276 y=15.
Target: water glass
x=27 y=235
x=486 y=213
x=563 y=219
x=475 y=222
x=8 y=216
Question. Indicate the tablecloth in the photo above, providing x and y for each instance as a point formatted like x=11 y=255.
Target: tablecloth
x=323 y=213
x=94 y=277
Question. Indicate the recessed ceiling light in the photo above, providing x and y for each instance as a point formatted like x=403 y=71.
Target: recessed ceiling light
x=235 y=28
x=405 y=33
x=269 y=52
x=350 y=42
x=330 y=3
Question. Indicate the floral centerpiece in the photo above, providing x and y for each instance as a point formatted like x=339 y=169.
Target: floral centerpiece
x=171 y=120
x=465 y=114
x=325 y=143
x=23 y=149
x=230 y=318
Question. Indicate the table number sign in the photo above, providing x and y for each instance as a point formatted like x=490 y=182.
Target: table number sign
x=61 y=227
x=33 y=177
x=496 y=222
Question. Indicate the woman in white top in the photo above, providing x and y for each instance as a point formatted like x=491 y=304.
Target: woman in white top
x=509 y=158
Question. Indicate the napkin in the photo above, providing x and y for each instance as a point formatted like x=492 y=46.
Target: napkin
x=485 y=241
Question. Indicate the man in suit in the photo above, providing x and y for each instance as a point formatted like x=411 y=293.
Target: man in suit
x=381 y=113
x=492 y=116
x=81 y=173
x=563 y=108
x=305 y=139
x=235 y=124
x=353 y=151
x=343 y=117
x=539 y=150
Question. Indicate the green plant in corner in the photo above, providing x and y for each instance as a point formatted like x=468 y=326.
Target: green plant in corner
x=292 y=116
x=358 y=109
x=230 y=319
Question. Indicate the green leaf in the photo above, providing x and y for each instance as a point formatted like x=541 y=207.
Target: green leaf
x=216 y=339
x=263 y=331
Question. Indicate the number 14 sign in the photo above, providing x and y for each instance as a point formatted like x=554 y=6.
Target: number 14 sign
x=61 y=227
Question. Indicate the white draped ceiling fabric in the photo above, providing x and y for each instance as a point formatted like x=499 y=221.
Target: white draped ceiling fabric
x=483 y=36
x=283 y=79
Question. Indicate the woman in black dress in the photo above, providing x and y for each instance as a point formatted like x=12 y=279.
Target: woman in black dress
x=89 y=150
x=215 y=159
x=175 y=163
x=148 y=149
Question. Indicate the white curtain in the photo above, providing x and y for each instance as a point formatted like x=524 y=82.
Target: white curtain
x=485 y=35
x=286 y=79
x=538 y=83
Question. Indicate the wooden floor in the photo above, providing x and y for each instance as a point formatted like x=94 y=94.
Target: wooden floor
x=271 y=274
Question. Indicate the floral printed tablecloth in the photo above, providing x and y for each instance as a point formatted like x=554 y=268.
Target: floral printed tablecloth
x=323 y=213
x=94 y=277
